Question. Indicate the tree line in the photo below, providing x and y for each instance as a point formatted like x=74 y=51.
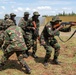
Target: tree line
x=62 y=14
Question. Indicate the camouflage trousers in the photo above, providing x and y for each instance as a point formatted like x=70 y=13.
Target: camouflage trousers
x=34 y=46
x=48 y=47
x=31 y=42
x=28 y=40
x=6 y=55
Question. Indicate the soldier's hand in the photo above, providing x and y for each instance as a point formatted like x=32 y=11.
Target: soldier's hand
x=42 y=42
x=33 y=28
x=38 y=38
x=73 y=24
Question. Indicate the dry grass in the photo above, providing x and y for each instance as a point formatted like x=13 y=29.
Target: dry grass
x=67 y=58
x=63 y=18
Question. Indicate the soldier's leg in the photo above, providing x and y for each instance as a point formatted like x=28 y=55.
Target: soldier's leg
x=56 y=47
x=34 y=48
x=28 y=41
x=5 y=57
x=48 y=54
x=22 y=61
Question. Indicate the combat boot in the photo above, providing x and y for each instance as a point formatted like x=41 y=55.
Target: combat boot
x=45 y=63
x=1 y=66
x=34 y=55
x=28 y=70
x=25 y=54
x=55 y=61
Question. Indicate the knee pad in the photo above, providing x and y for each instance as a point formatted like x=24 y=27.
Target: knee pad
x=57 y=46
x=48 y=52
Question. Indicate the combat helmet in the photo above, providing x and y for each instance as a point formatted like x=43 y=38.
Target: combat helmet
x=36 y=13
x=26 y=13
x=56 y=18
x=12 y=14
x=6 y=16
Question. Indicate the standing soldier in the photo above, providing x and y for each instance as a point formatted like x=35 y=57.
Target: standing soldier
x=12 y=17
x=2 y=28
x=33 y=30
x=14 y=42
x=23 y=23
x=47 y=38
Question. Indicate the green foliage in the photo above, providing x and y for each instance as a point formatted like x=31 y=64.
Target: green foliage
x=62 y=14
x=67 y=14
x=45 y=16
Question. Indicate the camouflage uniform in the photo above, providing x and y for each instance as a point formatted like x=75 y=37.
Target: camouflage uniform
x=1 y=32
x=14 y=42
x=48 y=40
x=4 y=24
x=12 y=16
x=32 y=33
x=23 y=23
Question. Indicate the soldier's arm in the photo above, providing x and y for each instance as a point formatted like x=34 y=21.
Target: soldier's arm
x=53 y=32
x=22 y=24
x=49 y=30
x=67 y=29
x=6 y=40
x=41 y=40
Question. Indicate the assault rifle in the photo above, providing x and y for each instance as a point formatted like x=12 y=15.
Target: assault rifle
x=65 y=23
x=59 y=26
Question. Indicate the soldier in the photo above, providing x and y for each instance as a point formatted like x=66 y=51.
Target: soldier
x=6 y=17
x=23 y=23
x=3 y=26
x=33 y=33
x=14 y=42
x=48 y=40
x=12 y=17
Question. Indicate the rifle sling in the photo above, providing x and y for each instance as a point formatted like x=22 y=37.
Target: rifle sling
x=68 y=38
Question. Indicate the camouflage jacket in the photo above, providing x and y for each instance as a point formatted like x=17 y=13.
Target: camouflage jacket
x=4 y=24
x=1 y=32
x=23 y=23
x=30 y=25
x=7 y=23
x=48 y=32
x=1 y=25
x=14 y=37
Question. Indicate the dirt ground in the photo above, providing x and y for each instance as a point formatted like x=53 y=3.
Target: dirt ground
x=67 y=59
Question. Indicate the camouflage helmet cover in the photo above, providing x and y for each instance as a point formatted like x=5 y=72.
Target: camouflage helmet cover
x=36 y=13
x=6 y=16
x=12 y=14
x=26 y=13
x=56 y=18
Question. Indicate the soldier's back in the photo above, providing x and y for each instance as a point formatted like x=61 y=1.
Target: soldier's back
x=16 y=37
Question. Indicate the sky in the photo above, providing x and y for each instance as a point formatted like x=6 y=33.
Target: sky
x=44 y=7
